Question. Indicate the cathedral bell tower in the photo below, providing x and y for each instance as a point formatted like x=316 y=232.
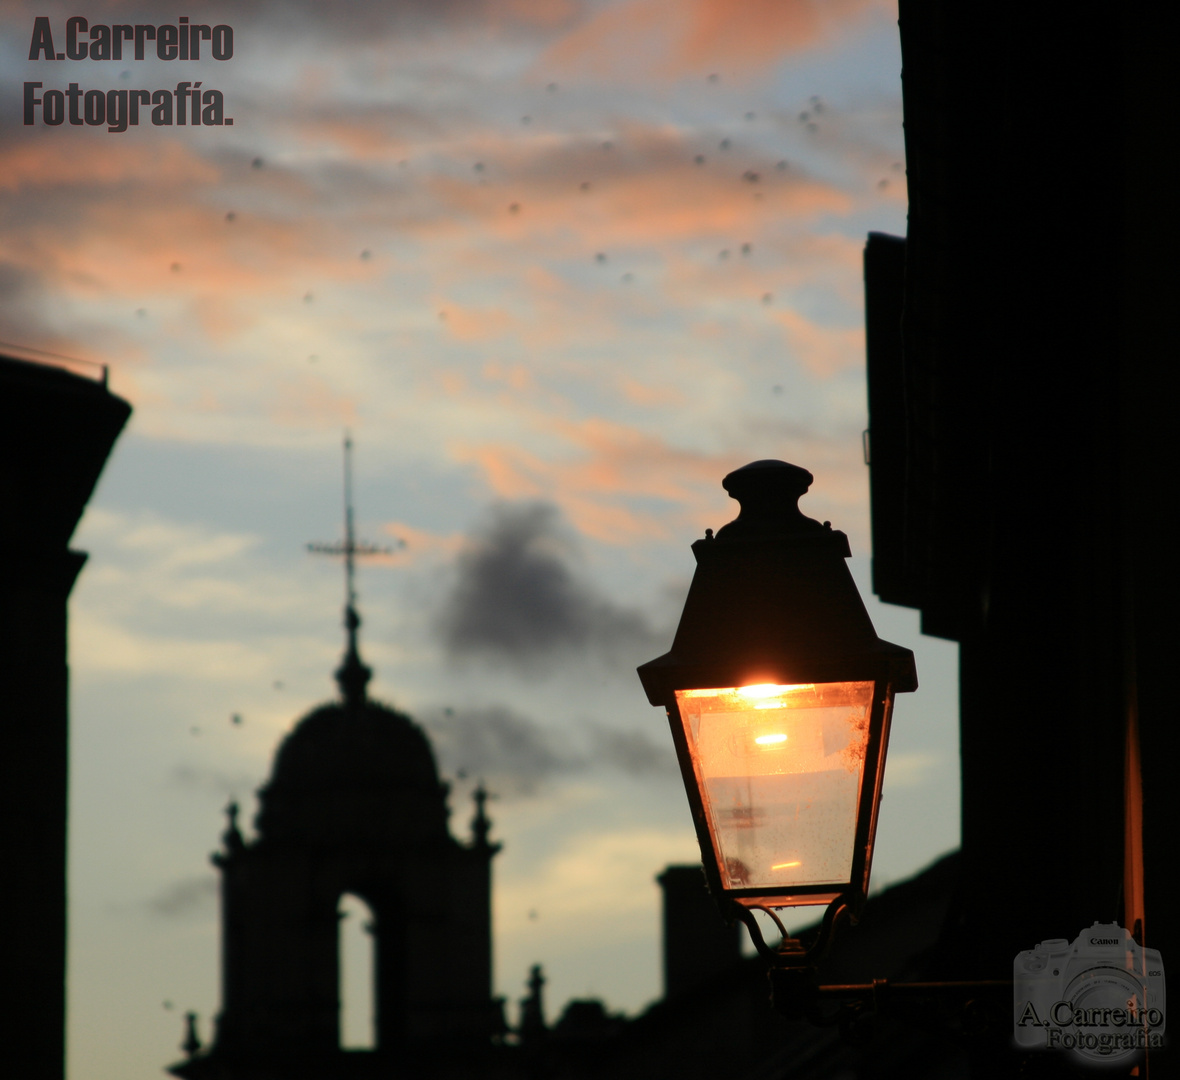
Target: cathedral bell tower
x=354 y=805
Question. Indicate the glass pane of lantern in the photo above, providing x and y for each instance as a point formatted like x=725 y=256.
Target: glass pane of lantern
x=779 y=769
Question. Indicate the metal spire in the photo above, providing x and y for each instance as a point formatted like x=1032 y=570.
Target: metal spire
x=353 y=675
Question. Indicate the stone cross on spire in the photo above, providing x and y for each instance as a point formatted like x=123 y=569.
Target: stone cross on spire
x=353 y=675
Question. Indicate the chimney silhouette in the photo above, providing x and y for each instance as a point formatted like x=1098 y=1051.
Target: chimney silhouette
x=697 y=942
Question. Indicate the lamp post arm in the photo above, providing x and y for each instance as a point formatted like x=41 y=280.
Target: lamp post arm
x=797 y=993
x=976 y=1005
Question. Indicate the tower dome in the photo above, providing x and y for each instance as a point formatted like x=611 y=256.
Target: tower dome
x=354 y=774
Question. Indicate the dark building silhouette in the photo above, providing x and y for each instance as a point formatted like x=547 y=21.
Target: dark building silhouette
x=354 y=805
x=698 y=944
x=1022 y=344
x=724 y=1024
x=56 y=430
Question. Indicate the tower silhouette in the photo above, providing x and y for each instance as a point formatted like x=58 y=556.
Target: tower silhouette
x=354 y=805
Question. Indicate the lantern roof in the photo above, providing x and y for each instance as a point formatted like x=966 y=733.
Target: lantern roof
x=773 y=600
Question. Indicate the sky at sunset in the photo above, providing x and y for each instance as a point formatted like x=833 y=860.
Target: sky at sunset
x=559 y=266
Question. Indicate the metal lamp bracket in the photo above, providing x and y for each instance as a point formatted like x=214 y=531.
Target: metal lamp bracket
x=796 y=991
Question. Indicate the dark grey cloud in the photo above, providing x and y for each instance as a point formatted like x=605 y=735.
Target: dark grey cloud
x=633 y=752
x=512 y=753
x=520 y=597
x=185 y=897
x=516 y=755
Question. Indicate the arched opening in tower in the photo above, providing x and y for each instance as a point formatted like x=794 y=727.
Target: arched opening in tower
x=357 y=976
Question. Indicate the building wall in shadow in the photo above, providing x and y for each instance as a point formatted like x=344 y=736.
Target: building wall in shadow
x=1020 y=339
x=56 y=431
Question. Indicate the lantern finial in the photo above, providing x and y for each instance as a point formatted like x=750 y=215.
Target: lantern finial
x=768 y=492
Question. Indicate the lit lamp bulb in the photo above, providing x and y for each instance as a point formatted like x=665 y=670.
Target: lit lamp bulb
x=779 y=767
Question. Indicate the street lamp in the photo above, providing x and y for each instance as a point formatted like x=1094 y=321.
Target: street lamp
x=779 y=694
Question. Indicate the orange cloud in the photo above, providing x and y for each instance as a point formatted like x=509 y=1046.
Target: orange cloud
x=309 y=402
x=756 y=33
x=646 y=189
x=611 y=465
x=646 y=394
x=363 y=138
x=545 y=13
x=673 y=38
x=764 y=281
x=183 y=257
x=89 y=163
x=476 y=324
x=515 y=376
